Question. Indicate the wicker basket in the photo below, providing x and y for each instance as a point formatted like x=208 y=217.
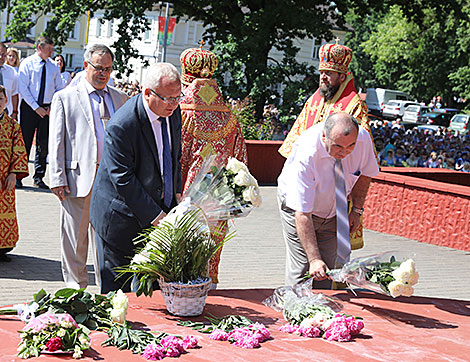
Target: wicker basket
x=186 y=300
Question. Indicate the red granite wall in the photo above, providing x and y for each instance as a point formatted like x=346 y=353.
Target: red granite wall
x=424 y=210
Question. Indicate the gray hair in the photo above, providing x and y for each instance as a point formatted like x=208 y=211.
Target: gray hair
x=100 y=49
x=156 y=72
x=348 y=123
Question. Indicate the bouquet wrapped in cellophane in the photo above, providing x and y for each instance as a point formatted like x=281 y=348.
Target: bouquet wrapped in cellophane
x=386 y=273
x=223 y=192
x=312 y=314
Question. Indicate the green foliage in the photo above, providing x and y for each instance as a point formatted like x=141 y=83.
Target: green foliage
x=124 y=337
x=252 y=128
x=176 y=252
x=226 y=323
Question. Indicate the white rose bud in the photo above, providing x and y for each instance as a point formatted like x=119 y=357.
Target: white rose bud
x=401 y=275
x=234 y=165
x=118 y=315
x=252 y=195
x=120 y=300
x=414 y=279
x=242 y=178
x=396 y=288
x=408 y=291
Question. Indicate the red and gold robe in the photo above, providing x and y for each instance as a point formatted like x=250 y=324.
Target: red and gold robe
x=13 y=159
x=208 y=121
x=316 y=110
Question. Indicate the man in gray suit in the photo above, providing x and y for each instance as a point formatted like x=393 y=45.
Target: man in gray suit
x=76 y=137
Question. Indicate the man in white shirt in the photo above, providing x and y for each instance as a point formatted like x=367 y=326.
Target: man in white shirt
x=9 y=79
x=76 y=141
x=307 y=193
x=38 y=79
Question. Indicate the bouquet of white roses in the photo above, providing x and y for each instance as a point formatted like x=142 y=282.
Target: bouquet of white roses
x=223 y=191
x=382 y=273
x=51 y=333
x=312 y=314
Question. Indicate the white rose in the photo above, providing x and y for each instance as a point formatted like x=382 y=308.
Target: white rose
x=409 y=266
x=414 y=279
x=401 y=275
x=120 y=300
x=408 y=291
x=234 y=165
x=118 y=315
x=321 y=318
x=396 y=288
x=252 y=195
x=242 y=178
x=309 y=322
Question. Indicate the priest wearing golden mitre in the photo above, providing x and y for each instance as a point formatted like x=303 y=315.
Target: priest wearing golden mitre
x=336 y=93
x=207 y=123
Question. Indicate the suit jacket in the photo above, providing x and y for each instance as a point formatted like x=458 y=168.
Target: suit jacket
x=127 y=193
x=72 y=140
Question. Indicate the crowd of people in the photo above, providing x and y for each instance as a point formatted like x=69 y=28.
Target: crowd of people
x=397 y=147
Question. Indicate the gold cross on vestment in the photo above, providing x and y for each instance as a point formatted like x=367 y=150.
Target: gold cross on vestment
x=337 y=40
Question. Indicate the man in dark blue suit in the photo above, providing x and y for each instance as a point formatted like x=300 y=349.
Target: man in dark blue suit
x=139 y=177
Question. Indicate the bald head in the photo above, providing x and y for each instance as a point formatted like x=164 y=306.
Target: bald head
x=340 y=134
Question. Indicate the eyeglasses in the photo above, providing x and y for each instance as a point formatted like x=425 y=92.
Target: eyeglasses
x=168 y=99
x=101 y=69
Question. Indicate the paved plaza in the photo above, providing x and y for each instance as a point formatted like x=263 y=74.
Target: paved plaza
x=253 y=259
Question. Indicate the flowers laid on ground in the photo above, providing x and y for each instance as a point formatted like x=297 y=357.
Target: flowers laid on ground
x=51 y=332
x=238 y=330
x=382 y=273
x=313 y=315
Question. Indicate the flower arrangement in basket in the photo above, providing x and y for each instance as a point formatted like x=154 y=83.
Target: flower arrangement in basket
x=383 y=273
x=178 y=250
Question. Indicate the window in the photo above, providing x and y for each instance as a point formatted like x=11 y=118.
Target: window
x=110 y=28
x=99 y=24
x=148 y=31
x=68 y=60
x=74 y=34
x=316 y=45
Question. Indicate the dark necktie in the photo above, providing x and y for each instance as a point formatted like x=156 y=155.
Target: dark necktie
x=1 y=75
x=104 y=110
x=42 y=87
x=342 y=219
x=167 y=166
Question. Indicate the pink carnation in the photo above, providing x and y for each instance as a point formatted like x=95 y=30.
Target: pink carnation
x=260 y=332
x=289 y=328
x=245 y=340
x=172 y=346
x=310 y=332
x=355 y=326
x=219 y=335
x=154 y=352
x=189 y=342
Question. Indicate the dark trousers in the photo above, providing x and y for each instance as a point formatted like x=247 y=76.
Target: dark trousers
x=31 y=122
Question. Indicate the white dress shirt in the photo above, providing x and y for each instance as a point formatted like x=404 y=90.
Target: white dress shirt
x=95 y=106
x=29 y=80
x=10 y=82
x=157 y=132
x=307 y=180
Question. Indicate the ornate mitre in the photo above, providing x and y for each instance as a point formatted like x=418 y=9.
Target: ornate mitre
x=197 y=63
x=335 y=57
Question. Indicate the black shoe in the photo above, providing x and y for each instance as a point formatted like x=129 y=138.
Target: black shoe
x=5 y=258
x=19 y=184
x=40 y=185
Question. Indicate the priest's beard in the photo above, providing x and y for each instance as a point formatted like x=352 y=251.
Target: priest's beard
x=329 y=91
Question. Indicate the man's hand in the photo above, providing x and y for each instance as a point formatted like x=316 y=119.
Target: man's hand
x=60 y=192
x=42 y=112
x=157 y=220
x=10 y=182
x=318 y=269
x=354 y=221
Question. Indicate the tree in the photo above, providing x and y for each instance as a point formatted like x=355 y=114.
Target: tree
x=246 y=30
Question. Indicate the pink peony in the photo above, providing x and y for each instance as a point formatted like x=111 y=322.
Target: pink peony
x=189 y=342
x=154 y=352
x=310 y=332
x=245 y=341
x=172 y=343
x=173 y=351
x=219 y=335
x=355 y=326
x=260 y=332
x=289 y=328
x=54 y=344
